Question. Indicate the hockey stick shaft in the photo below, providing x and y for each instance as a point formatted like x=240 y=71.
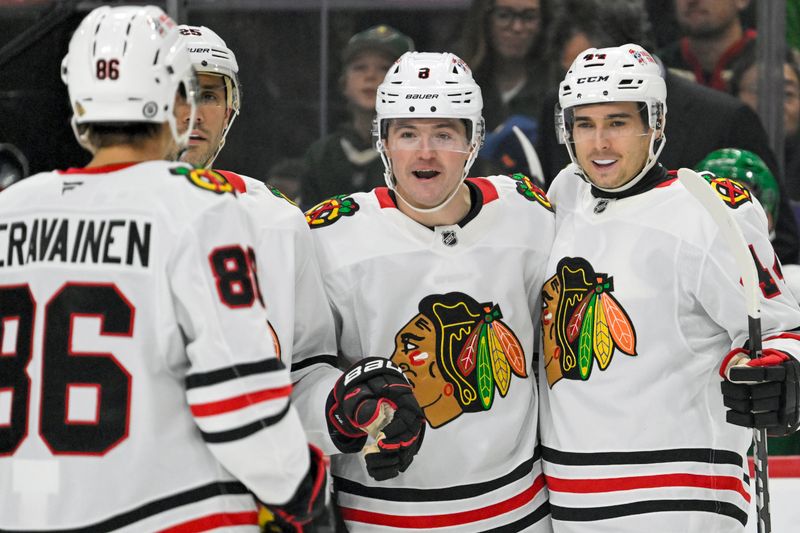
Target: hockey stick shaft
x=732 y=233
x=532 y=158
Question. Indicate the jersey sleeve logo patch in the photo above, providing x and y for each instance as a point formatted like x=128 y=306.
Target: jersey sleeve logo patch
x=530 y=191
x=277 y=193
x=733 y=193
x=327 y=212
x=205 y=178
x=457 y=353
x=582 y=322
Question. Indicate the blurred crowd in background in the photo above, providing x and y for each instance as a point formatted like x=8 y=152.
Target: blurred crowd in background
x=311 y=137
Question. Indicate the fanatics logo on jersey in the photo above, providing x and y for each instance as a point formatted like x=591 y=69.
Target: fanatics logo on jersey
x=205 y=178
x=582 y=322
x=449 y=238
x=67 y=186
x=530 y=191
x=327 y=212
x=456 y=353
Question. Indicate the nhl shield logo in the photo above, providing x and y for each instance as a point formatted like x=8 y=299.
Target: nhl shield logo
x=449 y=238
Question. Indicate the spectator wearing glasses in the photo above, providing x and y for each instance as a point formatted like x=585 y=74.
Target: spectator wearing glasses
x=502 y=42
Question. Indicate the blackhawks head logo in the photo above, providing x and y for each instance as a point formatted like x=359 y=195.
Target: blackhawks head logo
x=530 y=191
x=327 y=212
x=457 y=353
x=582 y=322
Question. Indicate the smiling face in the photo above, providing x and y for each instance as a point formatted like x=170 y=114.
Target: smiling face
x=428 y=157
x=611 y=142
x=209 y=124
x=362 y=76
x=415 y=355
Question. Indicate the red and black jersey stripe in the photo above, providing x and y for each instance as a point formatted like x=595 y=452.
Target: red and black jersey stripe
x=667 y=480
x=162 y=505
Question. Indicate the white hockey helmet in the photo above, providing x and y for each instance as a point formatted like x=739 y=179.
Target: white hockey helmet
x=429 y=85
x=127 y=64
x=626 y=73
x=210 y=55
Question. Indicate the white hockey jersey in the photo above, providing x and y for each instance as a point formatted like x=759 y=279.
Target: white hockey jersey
x=292 y=284
x=139 y=390
x=642 y=303
x=454 y=307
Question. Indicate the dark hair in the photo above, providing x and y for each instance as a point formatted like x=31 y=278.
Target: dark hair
x=474 y=46
x=106 y=134
x=605 y=23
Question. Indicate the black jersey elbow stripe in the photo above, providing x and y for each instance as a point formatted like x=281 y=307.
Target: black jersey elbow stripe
x=150 y=509
x=693 y=455
x=329 y=360
x=428 y=495
x=242 y=432
x=204 y=379
x=592 y=514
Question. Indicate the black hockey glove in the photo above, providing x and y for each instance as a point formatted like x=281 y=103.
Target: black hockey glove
x=307 y=503
x=763 y=392
x=394 y=454
x=356 y=402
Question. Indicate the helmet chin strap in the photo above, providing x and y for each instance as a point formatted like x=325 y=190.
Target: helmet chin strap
x=434 y=209
x=388 y=177
x=234 y=114
x=392 y=184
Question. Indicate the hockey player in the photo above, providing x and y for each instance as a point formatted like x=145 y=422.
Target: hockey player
x=642 y=305
x=442 y=275
x=138 y=385
x=289 y=271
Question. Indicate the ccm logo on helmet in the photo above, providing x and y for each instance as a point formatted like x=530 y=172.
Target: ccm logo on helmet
x=421 y=96
x=369 y=367
x=592 y=79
